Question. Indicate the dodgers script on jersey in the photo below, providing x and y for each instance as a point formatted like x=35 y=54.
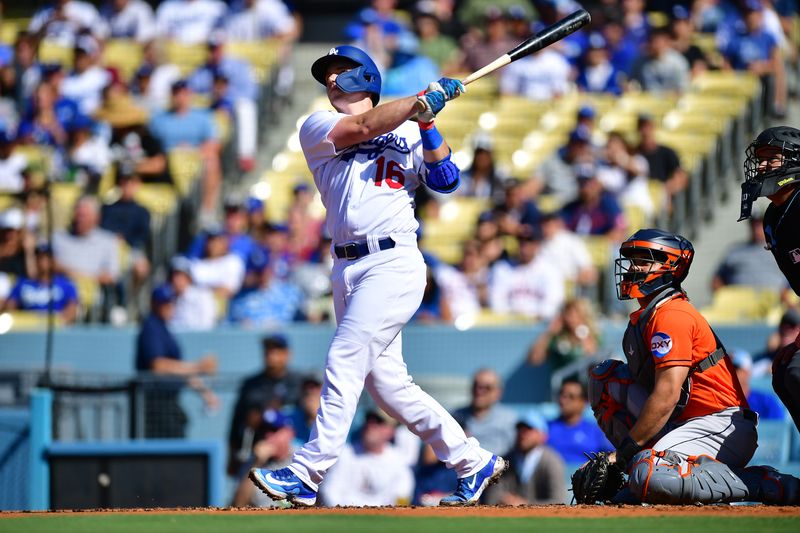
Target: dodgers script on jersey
x=367 y=189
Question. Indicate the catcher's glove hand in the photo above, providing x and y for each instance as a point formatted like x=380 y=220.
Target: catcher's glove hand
x=597 y=480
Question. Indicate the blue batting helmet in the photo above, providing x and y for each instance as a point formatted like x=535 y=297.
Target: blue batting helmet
x=365 y=77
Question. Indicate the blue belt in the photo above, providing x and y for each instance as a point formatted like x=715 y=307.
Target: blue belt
x=356 y=250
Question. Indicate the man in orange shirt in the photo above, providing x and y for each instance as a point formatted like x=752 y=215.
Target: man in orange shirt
x=676 y=412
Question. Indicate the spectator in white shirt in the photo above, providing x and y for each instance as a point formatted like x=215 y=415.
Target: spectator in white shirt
x=254 y=20
x=86 y=83
x=195 y=307
x=89 y=154
x=63 y=20
x=541 y=76
x=465 y=288
x=219 y=269
x=189 y=21
x=129 y=19
x=13 y=166
x=566 y=251
x=532 y=287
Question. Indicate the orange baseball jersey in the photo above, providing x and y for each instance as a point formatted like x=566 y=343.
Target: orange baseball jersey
x=678 y=335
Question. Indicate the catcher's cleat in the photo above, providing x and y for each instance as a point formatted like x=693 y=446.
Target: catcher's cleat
x=470 y=488
x=283 y=484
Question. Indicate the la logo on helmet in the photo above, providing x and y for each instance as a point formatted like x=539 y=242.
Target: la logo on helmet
x=333 y=52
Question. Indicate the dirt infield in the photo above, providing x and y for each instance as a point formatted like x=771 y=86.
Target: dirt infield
x=533 y=511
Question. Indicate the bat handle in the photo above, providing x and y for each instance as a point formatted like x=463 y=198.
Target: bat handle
x=500 y=62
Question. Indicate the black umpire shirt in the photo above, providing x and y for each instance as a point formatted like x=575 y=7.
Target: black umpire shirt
x=782 y=229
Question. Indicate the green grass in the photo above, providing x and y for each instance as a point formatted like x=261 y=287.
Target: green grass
x=286 y=523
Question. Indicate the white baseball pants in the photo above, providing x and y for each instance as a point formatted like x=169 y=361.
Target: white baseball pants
x=374 y=298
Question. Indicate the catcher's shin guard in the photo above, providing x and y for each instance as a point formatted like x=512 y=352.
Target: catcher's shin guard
x=767 y=485
x=668 y=478
x=615 y=399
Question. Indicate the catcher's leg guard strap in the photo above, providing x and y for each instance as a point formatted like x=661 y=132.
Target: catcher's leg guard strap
x=668 y=478
x=767 y=485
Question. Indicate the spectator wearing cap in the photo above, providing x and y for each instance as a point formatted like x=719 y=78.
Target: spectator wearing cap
x=764 y=403
x=274 y=386
x=272 y=302
x=184 y=126
x=661 y=68
x=597 y=74
x=663 y=162
x=745 y=263
x=16 y=245
x=273 y=444
x=88 y=154
x=195 y=307
x=256 y=215
x=274 y=251
x=62 y=22
x=683 y=31
x=14 y=174
x=234 y=226
x=159 y=354
x=370 y=472
x=86 y=82
x=129 y=19
x=130 y=221
x=517 y=210
x=537 y=471
x=441 y=48
x=242 y=91
x=529 y=286
x=567 y=251
x=586 y=118
x=556 y=175
x=189 y=21
x=595 y=211
x=572 y=435
x=219 y=269
x=44 y=291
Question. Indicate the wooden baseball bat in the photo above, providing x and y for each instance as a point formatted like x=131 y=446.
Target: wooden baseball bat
x=551 y=34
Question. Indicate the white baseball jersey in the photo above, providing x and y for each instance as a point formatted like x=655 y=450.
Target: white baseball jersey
x=77 y=15
x=134 y=21
x=267 y=19
x=367 y=189
x=189 y=21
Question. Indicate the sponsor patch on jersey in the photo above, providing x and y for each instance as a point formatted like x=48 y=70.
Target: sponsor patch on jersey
x=660 y=344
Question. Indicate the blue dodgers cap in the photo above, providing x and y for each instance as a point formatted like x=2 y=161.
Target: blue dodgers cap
x=275 y=419
x=44 y=248
x=586 y=111
x=580 y=134
x=597 y=41
x=679 y=12
x=254 y=205
x=179 y=84
x=533 y=420
x=163 y=294
x=753 y=5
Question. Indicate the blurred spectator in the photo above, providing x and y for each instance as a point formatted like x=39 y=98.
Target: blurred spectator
x=371 y=471
x=788 y=330
x=433 y=480
x=635 y=20
x=408 y=70
x=661 y=68
x=42 y=124
x=129 y=19
x=442 y=49
x=624 y=174
x=490 y=241
x=189 y=21
x=256 y=215
x=485 y=418
x=557 y=174
x=484 y=45
x=88 y=79
x=272 y=387
x=183 y=126
x=61 y=22
x=27 y=71
x=571 y=336
x=537 y=471
x=598 y=74
x=766 y=404
x=254 y=20
x=543 y=75
x=269 y=304
x=235 y=228
x=571 y=435
x=130 y=221
x=482 y=179
x=272 y=448
x=465 y=288
x=88 y=155
x=86 y=250
x=242 y=91
x=304 y=227
x=434 y=306
x=516 y=211
x=683 y=30
x=745 y=264
x=154 y=78
x=13 y=166
x=530 y=287
x=274 y=250
x=566 y=251
x=304 y=414
x=219 y=269
x=595 y=211
x=663 y=162
x=624 y=50
x=195 y=307
x=36 y=292
x=158 y=352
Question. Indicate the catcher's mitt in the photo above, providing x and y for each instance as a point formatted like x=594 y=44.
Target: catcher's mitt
x=597 y=480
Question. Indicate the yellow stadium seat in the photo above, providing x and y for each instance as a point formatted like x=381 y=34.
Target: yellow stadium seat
x=40 y=162
x=548 y=203
x=623 y=121
x=712 y=104
x=7 y=201
x=186 y=56
x=63 y=195
x=124 y=55
x=185 y=167
x=53 y=52
x=726 y=83
x=635 y=218
x=658 y=194
x=560 y=120
x=88 y=291
x=24 y=321
x=692 y=122
x=158 y=198
x=653 y=104
x=489 y=318
x=9 y=28
x=599 y=249
x=223 y=123
x=261 y=55
x=740 y=303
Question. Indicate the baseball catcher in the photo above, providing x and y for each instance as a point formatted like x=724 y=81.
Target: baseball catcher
x=772 y=169
x=675 y=412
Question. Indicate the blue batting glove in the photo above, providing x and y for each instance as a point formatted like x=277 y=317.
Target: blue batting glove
x=433 y=102
x=450 y=87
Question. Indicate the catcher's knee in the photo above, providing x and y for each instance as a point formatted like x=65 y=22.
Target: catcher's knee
x=666 y=477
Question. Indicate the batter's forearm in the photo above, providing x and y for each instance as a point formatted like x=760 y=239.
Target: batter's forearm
x=355 y=129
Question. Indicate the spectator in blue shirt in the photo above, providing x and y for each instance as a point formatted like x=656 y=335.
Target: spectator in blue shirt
x=158 y=352
x=623 y=49
x=409 y=70
x=35 y=293
x=595 y=211
x=598 y=74
x=571 y=435
x=764 y=403
x=272 y=302
x=235 y=227
x=183 y=126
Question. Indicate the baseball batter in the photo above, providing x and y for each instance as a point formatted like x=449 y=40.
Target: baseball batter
x=772 y=169
x=676 y=412
x=367 y=160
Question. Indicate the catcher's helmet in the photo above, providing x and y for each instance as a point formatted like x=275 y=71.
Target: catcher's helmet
x=365 y=77
x=772 y=163
x=651 y=260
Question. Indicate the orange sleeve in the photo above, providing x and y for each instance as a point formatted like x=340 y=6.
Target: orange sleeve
x=669 y=337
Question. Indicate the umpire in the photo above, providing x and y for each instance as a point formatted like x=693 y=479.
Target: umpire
x=772 y=169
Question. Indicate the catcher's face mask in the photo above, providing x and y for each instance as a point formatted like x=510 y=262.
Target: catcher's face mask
x=772 y=163
x=646 y=266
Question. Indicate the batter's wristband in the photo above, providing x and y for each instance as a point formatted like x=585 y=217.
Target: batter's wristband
x=431 y=138
x=627 y=450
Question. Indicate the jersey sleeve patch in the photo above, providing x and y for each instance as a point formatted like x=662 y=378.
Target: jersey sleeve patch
x=660 y=344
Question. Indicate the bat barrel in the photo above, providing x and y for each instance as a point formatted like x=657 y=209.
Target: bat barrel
x=551 y=34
